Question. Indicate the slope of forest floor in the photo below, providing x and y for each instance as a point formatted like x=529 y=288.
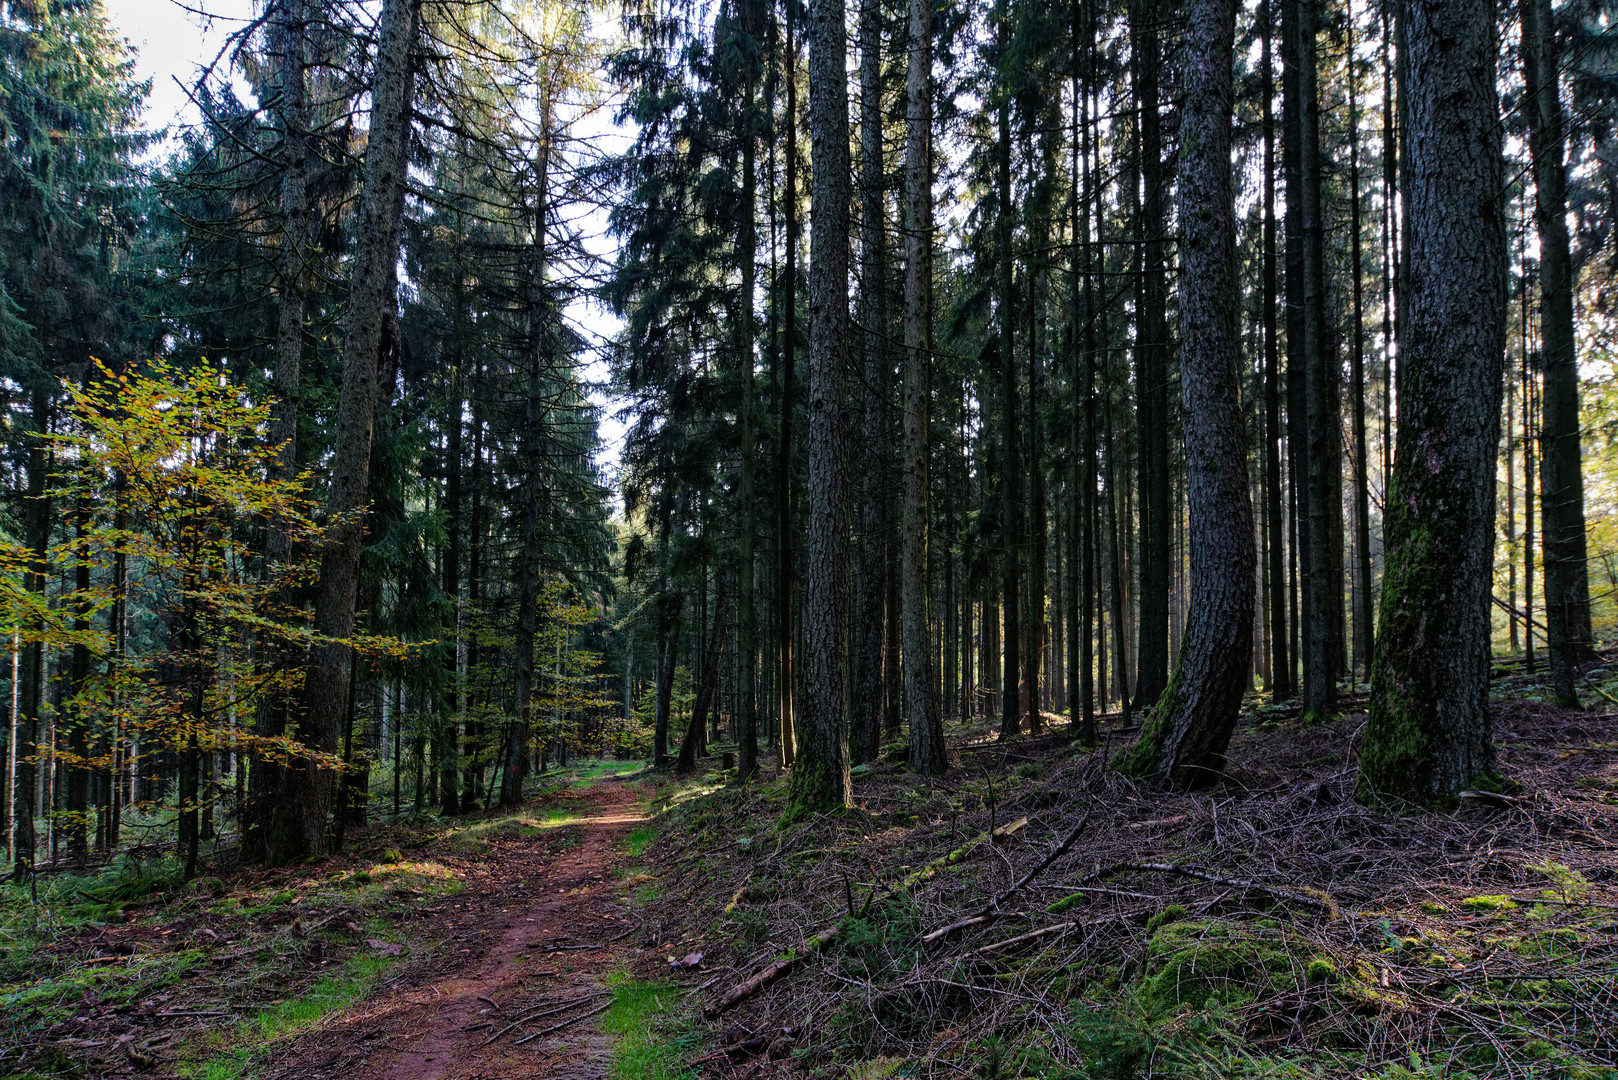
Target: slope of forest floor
x=1271 y=926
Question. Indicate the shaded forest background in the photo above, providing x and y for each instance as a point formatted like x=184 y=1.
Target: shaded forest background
x=308 y=517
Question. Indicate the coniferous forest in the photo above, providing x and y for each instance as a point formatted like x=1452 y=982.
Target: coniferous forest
x=751 y=538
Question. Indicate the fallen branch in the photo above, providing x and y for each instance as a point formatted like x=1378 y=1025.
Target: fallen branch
x=1312 y=898
x=1058 y=928
x=781 y=968
x=991 y=910
x=603 y=1007
x=960 y=853
x=541 y=1013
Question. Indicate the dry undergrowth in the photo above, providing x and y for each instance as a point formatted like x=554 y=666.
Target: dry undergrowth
x=1271 y=926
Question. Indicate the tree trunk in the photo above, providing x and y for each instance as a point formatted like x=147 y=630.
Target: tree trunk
x=449 y=781
x=1010 y=440
x=306 y=807
x=1185 y=736
x=1318 y=431
x=541 y=342
x=1281 y=686
x=746 y=725
x=266 y=777
x=869 y=611
x=926 y=727
x=1567 y=588
x=76 y=719
x=1429 y=731
x=691 y=744
x=1152 y=369
x=785 y=599
x=1364 y=631
x=667 y=657
x=820 y=779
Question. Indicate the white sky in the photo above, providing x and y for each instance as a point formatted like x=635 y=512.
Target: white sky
x=175 y=42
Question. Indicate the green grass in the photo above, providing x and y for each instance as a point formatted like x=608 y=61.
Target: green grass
x=652 y=1038
x=639 y=840
x=339 y=990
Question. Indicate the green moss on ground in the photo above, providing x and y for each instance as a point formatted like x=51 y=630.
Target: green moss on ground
x=1191 y=963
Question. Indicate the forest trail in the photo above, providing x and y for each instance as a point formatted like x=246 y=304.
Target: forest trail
x=531 y=952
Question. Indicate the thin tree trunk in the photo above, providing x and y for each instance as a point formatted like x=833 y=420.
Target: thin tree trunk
x=746 y=725
x=1364 y=632
x=1567 y=588
x=540 y=342
x=692 y=744
x=1319 y=520
x=926 y=727
x=784 y=580
x=1010 y=440
x=1281 y=686
x=1429 y=731
x=265 y=777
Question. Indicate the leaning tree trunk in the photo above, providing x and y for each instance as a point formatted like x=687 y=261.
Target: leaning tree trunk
x=1429 y=731
x=1185 y=735
x=1567 y=584
x=306 y=806
x=820 y=778
x=926 y=726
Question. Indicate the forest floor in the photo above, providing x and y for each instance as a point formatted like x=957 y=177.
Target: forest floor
x=1271 y=926
x=1031 y=914
x=491 y=946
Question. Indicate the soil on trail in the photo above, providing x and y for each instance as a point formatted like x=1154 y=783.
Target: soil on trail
x=528 y=953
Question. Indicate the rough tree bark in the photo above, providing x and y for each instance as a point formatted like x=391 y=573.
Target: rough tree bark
x=1152 y=368
x=1185 y=736
x=1567 y=584
x=1429 y=731
x=306 y=806
x=926 y=727
x=820 y=778
x=869 y=611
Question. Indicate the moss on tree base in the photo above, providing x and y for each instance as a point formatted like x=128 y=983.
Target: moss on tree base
x=810 y=791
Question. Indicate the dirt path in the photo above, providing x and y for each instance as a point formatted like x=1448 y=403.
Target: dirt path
x=529 y=950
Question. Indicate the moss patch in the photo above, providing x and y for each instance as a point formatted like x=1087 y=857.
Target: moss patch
x=1498 y=902
x=1190 y=963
